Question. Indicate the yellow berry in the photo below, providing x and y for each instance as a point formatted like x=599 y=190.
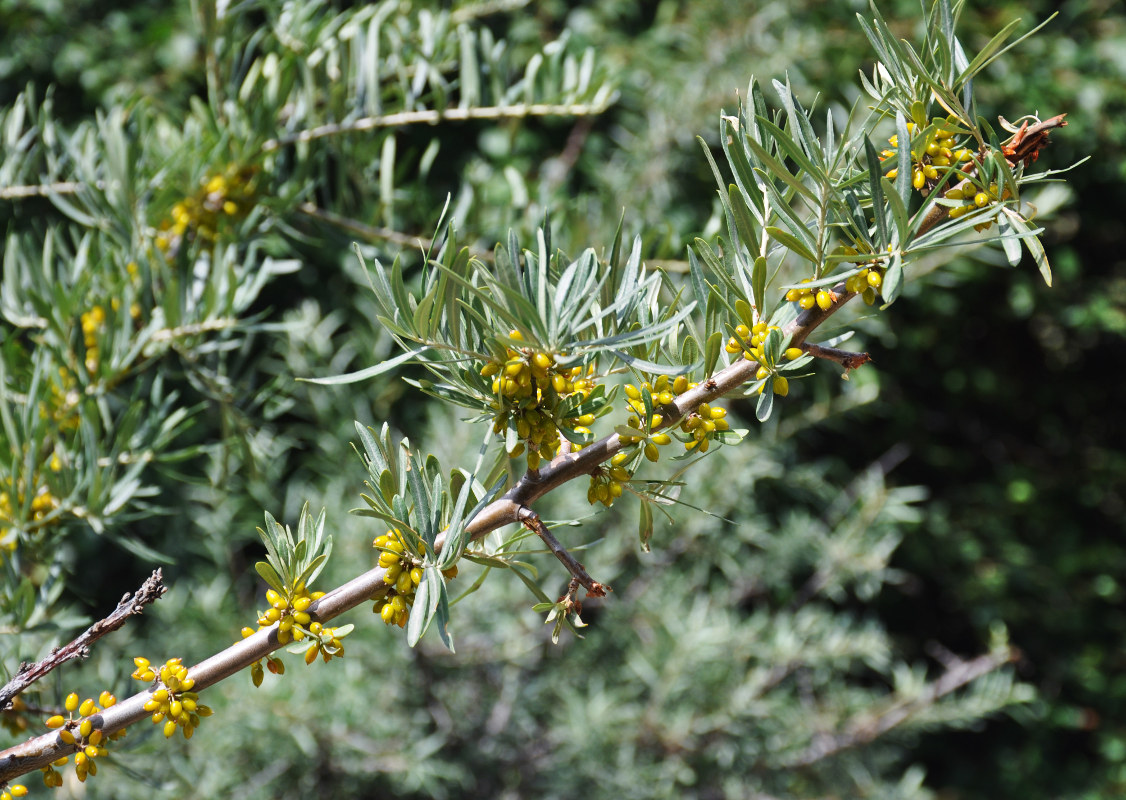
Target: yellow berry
x=824 y=300
x=87 y=708
x=56 y=721
x=71 y=701
x=875 y=279
x=169 y=729
x=793 y=353
x=781 y=386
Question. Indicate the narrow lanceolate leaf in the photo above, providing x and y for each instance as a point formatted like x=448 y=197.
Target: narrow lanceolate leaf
x=758 y=285
x=874 y=184
x=765 y=404
x=645 y=525
x=368 y=372
x=893 y=280
x=791 y=243
x=270 y=576
x=1028 y=235
x=420 y=614
x=1009 y=242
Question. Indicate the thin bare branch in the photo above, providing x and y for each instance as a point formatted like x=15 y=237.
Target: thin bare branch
x=532 y=522
x=39 y=190
x=27 y=674
x=433 y=116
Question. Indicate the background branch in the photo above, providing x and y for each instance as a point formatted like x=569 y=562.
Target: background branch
x=864 y=728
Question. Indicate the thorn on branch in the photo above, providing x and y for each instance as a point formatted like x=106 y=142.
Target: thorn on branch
x=531 y=520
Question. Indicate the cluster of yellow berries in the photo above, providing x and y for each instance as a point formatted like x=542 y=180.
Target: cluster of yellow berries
x=974 y=198
x=403 y=574
x=750 y=341
x=806 y=298
x=606 y=482
x=940 y=152
x=290 y=613
x=295 y=623
x=275 y=665
x=62 y=408
x=173 y=702
x=661 y=392
x=529 y=388
x=92 y=322
x=42 y=504
x=780 y=383
x=702 y=425
x=79 y=731
x=229 y=195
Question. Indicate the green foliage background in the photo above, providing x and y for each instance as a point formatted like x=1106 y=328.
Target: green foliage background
x=993 y=393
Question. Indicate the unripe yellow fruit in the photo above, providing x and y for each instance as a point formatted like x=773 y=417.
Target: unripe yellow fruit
x=781 y=386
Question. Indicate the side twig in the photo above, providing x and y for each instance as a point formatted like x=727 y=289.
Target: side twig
x=531 y=520
x=27 y=674
x=845 y=358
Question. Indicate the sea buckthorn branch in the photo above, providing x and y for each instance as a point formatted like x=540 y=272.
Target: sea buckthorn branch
x=534 y=523
x=560 y=336
x=129 y=605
